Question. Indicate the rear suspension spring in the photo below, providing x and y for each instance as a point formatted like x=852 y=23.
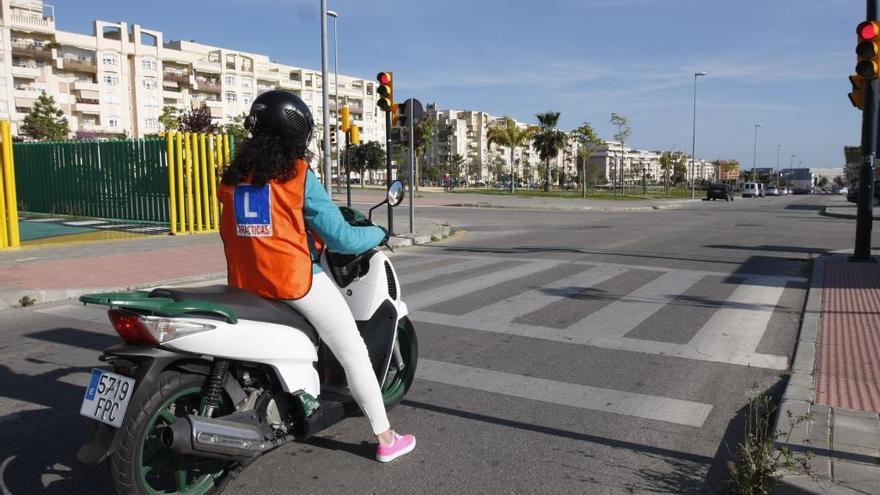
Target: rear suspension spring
x=214 y=386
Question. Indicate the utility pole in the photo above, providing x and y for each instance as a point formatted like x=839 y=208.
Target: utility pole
x=325 y=99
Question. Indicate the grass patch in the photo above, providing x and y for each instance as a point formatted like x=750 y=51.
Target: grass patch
x=591 y=194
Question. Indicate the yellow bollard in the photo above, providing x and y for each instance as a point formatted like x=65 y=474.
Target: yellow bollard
x=215 y=213
x=226 y=158
x=197 y=182
x=181 y=192
x=4 y=225
x=203 y=172
x=172 y=197
x=11 y=215
x=189 y=184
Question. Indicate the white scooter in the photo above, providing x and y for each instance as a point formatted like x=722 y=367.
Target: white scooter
x=210 y=378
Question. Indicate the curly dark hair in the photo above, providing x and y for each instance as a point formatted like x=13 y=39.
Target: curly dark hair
x=264 y=157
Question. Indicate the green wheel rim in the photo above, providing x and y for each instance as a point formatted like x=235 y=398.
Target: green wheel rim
x=163 y=466
x=397 y=380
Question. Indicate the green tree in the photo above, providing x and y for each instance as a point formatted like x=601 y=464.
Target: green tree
x=366 y=156
x=588 y=143
x=455 y=164
x=424 y=132
x=823 y=182
x=45 y=122
x=235 y=128
x=170 y=118
x=197 y=120
x=548 y=140
x=506 y=133
x=623 y=132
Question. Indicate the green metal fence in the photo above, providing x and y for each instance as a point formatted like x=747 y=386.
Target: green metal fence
x=123 y=179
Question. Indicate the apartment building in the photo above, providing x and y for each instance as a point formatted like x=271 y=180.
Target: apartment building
x=117 y=80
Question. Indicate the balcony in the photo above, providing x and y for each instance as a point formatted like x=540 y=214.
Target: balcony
x=31 y=93
x=87 y=106
x=287 y=83
x=28 y=72
x=77 y=65
x=207 y=66
x=32 y=50
x=268 y=75
x=177 y=76
x=172 y=95
x=86 y=86
x=32 y=22
x=208 y=86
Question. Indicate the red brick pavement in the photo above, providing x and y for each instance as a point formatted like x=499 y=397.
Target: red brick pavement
x=848 y=373
x=118 y=270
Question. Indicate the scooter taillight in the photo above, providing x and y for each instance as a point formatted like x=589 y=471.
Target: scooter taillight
x=131 y=328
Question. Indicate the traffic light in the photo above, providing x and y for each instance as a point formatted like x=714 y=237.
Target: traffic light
x=385 y=91
x=395 y=114
x=857 y=96
x=868 y=50
x=401 y=114
x=344 y=119
x=354 y=135
x=332 y=135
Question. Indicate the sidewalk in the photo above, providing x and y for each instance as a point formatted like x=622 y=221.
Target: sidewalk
x=839 y=207
x=836 y=379
x=50 y=274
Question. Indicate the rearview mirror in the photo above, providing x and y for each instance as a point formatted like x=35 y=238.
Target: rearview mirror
x=395 y=193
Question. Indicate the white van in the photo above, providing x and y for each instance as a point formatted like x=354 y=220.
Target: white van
x=751 y=190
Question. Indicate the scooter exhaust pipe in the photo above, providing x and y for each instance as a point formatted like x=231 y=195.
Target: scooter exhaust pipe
x=214 y=438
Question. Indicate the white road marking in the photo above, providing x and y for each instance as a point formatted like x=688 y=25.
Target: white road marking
x=652 y=407
x=454 y=267
x=737 y=328
x=115 y=226
x=45 y=220
x=536 y=299
x=84 y=223
x=468 y=286
x=147 y=229
x=623 y=315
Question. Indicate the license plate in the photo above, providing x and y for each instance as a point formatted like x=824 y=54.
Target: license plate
x=107 y=397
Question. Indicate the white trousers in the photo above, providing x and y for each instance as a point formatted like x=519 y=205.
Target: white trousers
x=326 y=310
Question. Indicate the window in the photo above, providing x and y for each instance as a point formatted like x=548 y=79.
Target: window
x=149 y=83
x=111 y=98
x=110 y=79
x=112 y=121
x=246 y=83
x=230 y=80
x=151 y=123
x=108 y=58
x=247 y=98
x=148 y=64
x=370 y=89
x=151 y=102
x=230 y=97
x=4 y=108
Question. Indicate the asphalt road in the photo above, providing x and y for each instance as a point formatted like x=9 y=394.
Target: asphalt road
x=562 y=352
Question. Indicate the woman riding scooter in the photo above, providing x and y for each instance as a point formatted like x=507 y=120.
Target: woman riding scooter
x=276 y=219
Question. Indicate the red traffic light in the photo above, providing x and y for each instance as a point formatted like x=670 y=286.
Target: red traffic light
x=868 y=30
x=384 y=78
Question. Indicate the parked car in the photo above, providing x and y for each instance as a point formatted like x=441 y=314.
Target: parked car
x=751 y=190
x=719 y=191
x=774 y=191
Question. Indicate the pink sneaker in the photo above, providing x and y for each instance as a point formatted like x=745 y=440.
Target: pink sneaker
x=403 y=444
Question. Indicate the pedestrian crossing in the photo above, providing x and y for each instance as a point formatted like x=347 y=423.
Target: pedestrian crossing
x=731 y=335
x=585 y=303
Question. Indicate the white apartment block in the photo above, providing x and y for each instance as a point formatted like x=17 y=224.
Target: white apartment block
x=118 y=79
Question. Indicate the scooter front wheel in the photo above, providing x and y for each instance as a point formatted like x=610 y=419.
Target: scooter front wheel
x=142 y=465
x=399 y=379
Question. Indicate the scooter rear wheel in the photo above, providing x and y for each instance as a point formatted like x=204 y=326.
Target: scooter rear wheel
x=397 y=380
x=141 y=465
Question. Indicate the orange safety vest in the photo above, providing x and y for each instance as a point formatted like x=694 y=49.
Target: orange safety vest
x=265 y=237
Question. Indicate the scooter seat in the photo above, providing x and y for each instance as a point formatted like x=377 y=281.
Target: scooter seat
x=245 y=304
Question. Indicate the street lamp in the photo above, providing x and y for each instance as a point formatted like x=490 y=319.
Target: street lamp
x=791 y=172
x=778 y=151
x=335 y=15
x=325 y=98
x=694 y=136
x=755 y=154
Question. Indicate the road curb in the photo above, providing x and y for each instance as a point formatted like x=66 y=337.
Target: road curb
x=601 y=209
x=849 y=216
x=12 y=299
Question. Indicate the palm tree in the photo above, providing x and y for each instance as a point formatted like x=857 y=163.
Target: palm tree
x=589 y=142
x=623 y=132
x=505 y=132
x=548 y=141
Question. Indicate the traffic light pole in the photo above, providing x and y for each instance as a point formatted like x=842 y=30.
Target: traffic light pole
x=348 y=170
x=412 y=165
x=864 y=214
x=388 y=168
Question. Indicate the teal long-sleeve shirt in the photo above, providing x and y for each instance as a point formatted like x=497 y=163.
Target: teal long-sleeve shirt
x=323 y=217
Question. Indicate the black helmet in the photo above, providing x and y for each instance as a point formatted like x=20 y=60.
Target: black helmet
x=282 y=114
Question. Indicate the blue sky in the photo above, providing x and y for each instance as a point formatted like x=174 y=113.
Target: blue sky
x=783 y=63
